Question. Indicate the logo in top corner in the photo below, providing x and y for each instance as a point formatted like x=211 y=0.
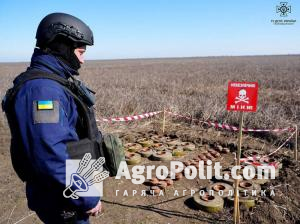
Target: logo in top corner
x=284 y=9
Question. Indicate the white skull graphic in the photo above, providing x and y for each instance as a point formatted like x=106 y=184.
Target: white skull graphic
x=242 y=94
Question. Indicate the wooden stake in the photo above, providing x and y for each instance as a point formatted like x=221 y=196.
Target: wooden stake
x=236 y=214
x=164 y=122
x=296 y=143
x=241 y=117
x=236 y=198
x=236 y=203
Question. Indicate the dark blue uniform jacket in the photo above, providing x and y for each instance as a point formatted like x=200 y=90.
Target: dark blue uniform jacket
x=45 y=143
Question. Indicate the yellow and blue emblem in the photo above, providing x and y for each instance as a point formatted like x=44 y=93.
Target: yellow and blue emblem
x=46 y=111
x=45 y=105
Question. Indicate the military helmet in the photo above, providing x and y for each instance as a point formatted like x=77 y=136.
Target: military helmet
x=66 y=25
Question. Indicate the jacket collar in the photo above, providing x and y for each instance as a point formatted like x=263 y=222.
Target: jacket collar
x=49 y=63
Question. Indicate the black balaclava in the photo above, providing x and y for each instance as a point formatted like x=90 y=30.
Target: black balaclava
x=63 y=49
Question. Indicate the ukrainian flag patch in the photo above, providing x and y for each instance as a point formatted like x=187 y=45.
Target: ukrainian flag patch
x=45 y=105
x=45 y=111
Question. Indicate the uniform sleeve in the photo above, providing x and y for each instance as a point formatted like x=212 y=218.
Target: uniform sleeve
x=47 y=118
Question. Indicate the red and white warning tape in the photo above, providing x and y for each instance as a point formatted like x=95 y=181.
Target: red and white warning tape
x=130 y=118
x=213 y=124
x=232 y=128
x=283 y=144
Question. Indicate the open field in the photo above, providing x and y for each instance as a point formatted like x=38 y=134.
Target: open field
x=195 y=87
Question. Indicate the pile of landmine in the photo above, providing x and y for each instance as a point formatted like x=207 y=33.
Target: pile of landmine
x=249 y=190
x=165 y=148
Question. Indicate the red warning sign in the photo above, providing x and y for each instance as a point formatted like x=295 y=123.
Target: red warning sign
x=242 y=96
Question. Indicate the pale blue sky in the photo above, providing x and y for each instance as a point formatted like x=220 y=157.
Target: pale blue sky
x=157 y=28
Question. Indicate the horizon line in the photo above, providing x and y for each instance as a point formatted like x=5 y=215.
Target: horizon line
x=175 y=57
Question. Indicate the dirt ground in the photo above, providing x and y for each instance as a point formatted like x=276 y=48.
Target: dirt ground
x=282 y=208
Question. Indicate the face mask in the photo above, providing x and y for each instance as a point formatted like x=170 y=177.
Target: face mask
x=64 y=50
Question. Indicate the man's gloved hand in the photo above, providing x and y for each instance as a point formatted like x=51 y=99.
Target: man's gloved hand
x=95 y=211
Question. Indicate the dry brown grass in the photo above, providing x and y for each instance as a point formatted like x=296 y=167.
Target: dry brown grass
x=195 y=86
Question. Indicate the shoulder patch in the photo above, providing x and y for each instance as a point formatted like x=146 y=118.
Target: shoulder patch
x=45 y=111
x=45 y=105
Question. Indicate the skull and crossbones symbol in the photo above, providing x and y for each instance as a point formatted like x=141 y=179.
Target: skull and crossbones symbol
x=242 y=97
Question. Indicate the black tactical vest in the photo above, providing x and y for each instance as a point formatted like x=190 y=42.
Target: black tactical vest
x=90 y=139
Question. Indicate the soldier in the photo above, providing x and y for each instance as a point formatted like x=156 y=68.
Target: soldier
x=50 y=114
